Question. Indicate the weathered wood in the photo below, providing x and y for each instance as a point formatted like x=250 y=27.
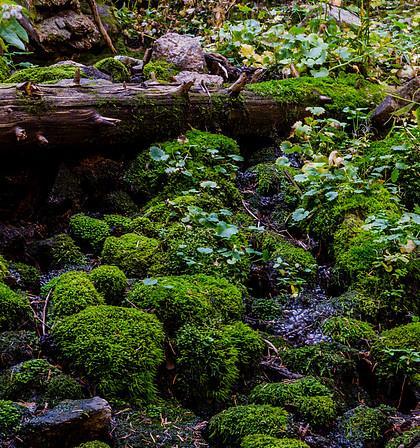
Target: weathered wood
x=66 y=113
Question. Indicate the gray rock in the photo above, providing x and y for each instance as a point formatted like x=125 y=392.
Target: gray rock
x=183 y=51
x=68 y=424
x=129 y=61
x=90 y=71
x=198 y=78
x=341 y=15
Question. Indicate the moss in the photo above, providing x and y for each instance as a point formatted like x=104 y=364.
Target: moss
x=366 y=425
x=10 y=417
x=4 y=269
x=200 y=153
x=308 y=397
x=361 y=304
x=193 y=299
x=229 y=427
x=94 y=444
x=132 y=253
x=120 y=202
x=110 y=282
x=15 y=311
x=345 y=91
x=206 y=365
x=143 y=226
x=90 y=231
x=163 y=70
x=115 y=68
x=264 y=308
x=347 y=331
x=73 y=292
x=4 y=69
x=118 y=224
x=272 y=179
x=407 y=439
x=262 y=441
x=43 y=74
x=28 y=277
x=247 y=342
x=37 y=380
x=64 y=252
x=118 y=349
x=17 y=346
x=324 y=359
x=391 y=347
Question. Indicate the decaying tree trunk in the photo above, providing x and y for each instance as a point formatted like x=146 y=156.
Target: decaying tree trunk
x=96 y=113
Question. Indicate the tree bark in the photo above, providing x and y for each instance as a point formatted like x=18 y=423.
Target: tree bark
x=95 y=113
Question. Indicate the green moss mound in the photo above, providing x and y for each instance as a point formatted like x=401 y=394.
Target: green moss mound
x=407 y=439
x=262 y=441
x=64 y=252
x=28 y=276
x=90 y=231
x=17 y=346
x=325 y=359
x=163 y=70
x=10 y=417
x=132 y=253
x=118 y=224
x=110 y=282
x=4 y=269
x=94 y=444
x=37 y=380
x=178 y=300
x=116 y=69
x=231 y=426
x=367 y=425
x=211 y=360
x=74 y=292
x=391 y=348
x=345 y=91
x=4 y=69
x=308 y=397
x=348 y=331
x=15 y=311
x=118 y=349
x=43 y=74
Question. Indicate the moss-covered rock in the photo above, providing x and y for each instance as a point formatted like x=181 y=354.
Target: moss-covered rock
x=206 y=364
x=366 y=425
x=164 y=71
x=347 y=331
x=64 y=252
x=10 y=417
x=115 y=68
x=324 y=359
x=4 y=269
x=345 y=91
x=26 y=276
x=307 y=396
x=262 y=441
x=196 y=299
x=118 y=349
x=392 y=347
x=72 y=293
x=43 y=74
x=38 y=381
x=90 y=231
x=110 y=282
x=17 y=346
x=132 y=253
x=15 y=311
x=4 y=69
x=94 y=444
x=230 y=427
x=119 y=224
x=120 y=202
x=407 y=439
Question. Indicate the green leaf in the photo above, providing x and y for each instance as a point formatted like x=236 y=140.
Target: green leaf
x=300 y=214
x=158 y=154
x=150 y=281
x=205 y=250
x=331 y=195
x=321 y=73
x=225 y=230
x=208 y=184
x=395 y=175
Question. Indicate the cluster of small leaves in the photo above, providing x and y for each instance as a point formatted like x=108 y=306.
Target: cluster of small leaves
x=11 y=31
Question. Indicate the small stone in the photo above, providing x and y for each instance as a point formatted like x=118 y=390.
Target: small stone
x=199 y=78
x=341 y=15
x=185 y=52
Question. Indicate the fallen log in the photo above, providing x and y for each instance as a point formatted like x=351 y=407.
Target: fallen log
x=68 y=113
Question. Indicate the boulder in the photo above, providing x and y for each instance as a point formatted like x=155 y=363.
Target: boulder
x=341 y=15
x=185 y=52
x=199 y=78
x=69 y=423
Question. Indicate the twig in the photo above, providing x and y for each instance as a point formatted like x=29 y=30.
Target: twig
x=100 y=25
x=44 y=312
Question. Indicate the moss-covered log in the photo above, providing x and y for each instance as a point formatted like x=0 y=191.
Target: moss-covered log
x=93 y=112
